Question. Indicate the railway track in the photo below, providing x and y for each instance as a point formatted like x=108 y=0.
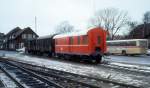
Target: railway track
x=73 y=79
x=2 y=85
x=145 y=72
x=26 y=79
x=23 y=80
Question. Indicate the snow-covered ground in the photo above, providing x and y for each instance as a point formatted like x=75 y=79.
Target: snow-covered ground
x=84 y=69
x=8 y=83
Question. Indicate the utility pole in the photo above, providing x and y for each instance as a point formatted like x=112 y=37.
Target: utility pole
x=35 y=24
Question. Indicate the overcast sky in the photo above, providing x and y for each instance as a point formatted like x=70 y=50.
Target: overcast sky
x=50 y=13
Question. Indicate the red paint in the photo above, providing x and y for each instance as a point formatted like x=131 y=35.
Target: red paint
x=62 y=44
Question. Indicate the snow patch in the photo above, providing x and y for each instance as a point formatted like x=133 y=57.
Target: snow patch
x=78 y=68
x=141 y=68
x=8 y=83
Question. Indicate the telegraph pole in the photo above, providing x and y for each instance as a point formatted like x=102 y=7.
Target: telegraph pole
x=35 y=24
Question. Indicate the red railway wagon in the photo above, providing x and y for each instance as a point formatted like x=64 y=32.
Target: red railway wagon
x=88 y=45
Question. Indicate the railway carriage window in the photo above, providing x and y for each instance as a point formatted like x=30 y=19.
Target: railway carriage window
x=78 y=39
x=98 y=40
x=65 y=42
x=71 y=40
x=85 y=39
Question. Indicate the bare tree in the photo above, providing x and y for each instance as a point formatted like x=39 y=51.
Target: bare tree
x=131 y=25
x=146 y=18
x=111 y=19
x=64 y=27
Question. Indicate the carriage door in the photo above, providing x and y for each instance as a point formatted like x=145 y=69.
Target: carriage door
x=97 y=42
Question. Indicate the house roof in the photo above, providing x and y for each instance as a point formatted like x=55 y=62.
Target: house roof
x=142 y=26
x=21 y=31
x=141 y=31
x=13 y=31
x=18 y=31
x=2 y=34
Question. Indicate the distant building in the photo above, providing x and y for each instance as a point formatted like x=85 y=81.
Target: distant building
x=1 y=40
x=16 y=38
x=141 y=32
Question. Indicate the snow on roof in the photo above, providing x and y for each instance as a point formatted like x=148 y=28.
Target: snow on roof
x=75 y=33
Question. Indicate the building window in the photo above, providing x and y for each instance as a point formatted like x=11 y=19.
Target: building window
x=13 y=36
x=33 y=36
x=65 y=41
x=29 y=36
x=24 y=36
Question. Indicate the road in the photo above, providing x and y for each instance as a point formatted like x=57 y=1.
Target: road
x=140 y=59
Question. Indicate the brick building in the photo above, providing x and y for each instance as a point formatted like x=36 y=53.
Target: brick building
x=141 y=32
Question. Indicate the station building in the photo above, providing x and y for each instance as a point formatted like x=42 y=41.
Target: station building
x=16 y=38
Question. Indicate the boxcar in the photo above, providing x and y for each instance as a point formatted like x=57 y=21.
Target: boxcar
x=88 y=45
x=41 y=45
x=30 y=46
